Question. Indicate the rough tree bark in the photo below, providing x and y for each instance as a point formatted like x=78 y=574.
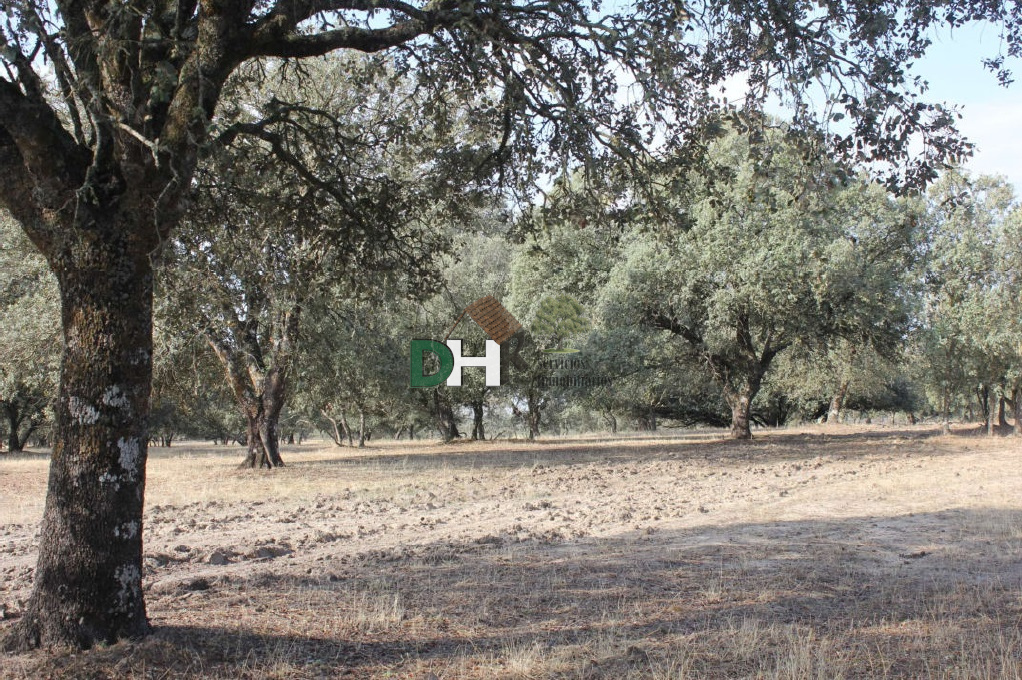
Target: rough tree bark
x=260 y=398
x=269 y=427
x=740 y=402
x=88 y=586
x=258 y=377
x=837 y=403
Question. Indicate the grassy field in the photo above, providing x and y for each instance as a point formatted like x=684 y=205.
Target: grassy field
x=839 y=553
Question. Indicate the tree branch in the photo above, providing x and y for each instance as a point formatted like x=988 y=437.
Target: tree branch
x=670 y=324
x=286 y=44
x=287 y=14
x=16 y=193
x=39 y=159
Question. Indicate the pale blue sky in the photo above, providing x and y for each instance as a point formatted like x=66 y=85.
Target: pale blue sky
x=992 y=115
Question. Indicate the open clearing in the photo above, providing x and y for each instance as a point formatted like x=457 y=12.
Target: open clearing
x=809 y=553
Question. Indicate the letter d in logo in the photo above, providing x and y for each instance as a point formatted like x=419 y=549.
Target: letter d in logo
x=443 y=352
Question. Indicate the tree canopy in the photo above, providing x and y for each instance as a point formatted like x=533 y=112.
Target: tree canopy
x=108 y=106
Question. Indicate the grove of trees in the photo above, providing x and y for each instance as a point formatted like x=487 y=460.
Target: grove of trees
x=237 y=214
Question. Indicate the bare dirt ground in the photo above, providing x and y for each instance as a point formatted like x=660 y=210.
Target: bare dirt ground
x=849 y=552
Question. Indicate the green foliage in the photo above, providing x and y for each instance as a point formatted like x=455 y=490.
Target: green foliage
x=776 y=251
x=559 y=317
x=190 y=397
x=969 y=336
x=313 y=216
x=29 y=336
x=356 y=360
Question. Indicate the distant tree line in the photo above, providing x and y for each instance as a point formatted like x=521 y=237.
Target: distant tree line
x=778 y=287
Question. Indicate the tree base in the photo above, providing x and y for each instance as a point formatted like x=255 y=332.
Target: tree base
x=260 y=461
x=31 y=632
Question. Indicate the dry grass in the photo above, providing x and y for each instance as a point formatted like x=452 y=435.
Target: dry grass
x=849 y=553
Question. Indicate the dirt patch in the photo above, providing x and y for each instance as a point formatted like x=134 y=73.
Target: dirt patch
x=805 y=553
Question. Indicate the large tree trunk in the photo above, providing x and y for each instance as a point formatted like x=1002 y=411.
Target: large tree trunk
x=741 y=409
x=273 y=399
x=263 y=416
x=256 y=456
x=269 y=433
x=1001 y=419
x=261 y=397
x=88 y=581
x=361 y=429
x=740 y=400
x=837 y=403
x=262 y=440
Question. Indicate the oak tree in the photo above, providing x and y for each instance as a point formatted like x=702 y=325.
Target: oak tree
x=776 y=251
x=106 y=104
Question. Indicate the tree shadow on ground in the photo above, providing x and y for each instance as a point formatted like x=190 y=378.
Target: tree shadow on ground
x=774 y=446
x=861 y=597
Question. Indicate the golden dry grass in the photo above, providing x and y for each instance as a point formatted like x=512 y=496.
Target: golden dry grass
x=847 y=553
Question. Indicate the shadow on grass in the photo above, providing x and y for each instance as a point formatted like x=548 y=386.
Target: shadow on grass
x=766 y=447
x=861 y=597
